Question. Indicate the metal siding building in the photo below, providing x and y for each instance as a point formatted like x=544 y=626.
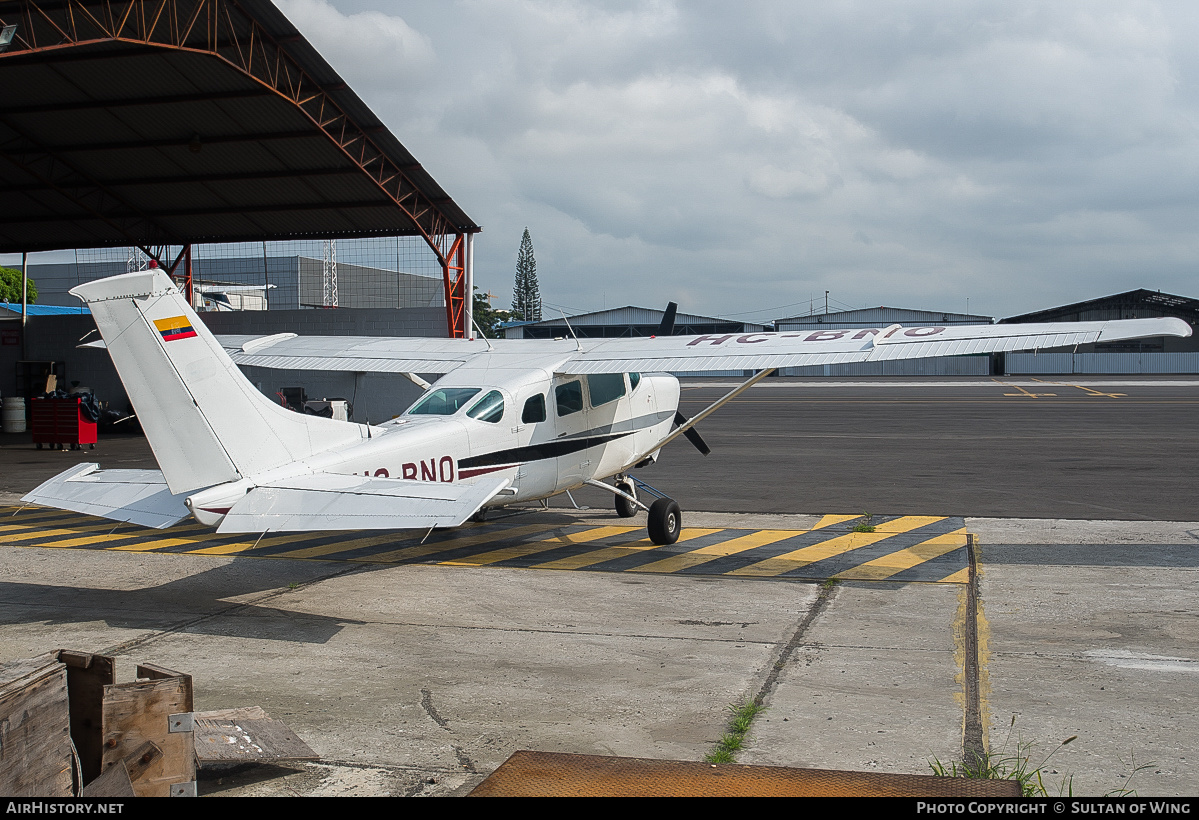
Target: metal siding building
x=297 y=280
x=627 y=321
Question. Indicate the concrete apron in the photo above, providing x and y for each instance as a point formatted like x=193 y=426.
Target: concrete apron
x=420 y=679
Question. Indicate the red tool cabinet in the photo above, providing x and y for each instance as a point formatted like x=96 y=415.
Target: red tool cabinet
x=59 y=422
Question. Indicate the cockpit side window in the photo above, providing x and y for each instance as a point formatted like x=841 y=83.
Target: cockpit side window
x=444 y=401
x=534 y=410
x=605 y=387
x=634 y=380
x=490 y=408
x=569 y=398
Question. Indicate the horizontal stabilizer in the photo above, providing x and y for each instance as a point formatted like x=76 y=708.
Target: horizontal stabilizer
x=328 y=501
x=136 y=496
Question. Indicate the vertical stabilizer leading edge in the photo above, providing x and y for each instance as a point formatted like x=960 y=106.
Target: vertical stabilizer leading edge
x=204 y=420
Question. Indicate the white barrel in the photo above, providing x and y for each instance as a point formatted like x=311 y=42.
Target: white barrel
x=12 y=419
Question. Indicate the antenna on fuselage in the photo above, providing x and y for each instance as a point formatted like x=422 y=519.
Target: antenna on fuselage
x=578 y=344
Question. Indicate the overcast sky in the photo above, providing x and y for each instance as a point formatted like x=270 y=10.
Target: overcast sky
x=742 y=158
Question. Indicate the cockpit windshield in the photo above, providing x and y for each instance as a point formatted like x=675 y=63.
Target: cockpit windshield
x=444 y=401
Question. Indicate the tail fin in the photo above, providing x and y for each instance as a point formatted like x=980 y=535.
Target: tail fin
x=205 y=422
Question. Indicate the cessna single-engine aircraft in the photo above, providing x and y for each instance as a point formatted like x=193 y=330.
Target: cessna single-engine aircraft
x=510 y=421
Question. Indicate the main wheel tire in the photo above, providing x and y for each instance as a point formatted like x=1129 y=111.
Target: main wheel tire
x=624 y=507
x=665 y=521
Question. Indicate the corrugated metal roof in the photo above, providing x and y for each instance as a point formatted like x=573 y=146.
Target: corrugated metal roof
x=880 y=317
x=134 y=140
x=634 y=315
x=42 y=310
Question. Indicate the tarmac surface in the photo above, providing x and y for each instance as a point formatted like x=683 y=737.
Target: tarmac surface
x=419 y=674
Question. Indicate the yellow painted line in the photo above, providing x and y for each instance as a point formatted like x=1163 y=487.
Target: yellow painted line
x=1086 y=389
x=151 y=544
x=421 y=550
x=907 y=523
x=32 y=535
x=35 y=514
x=341 y=546
x=244 y=546
x=830 y=520
x=887 y=565
x=534 y=547
x=962 y=576
x=91 y=539
x=828 y=549
x=1022 y=392
x=588 y=559
x=713 y=551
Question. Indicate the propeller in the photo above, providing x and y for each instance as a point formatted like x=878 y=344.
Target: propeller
x=666 y=328
x=691 y=433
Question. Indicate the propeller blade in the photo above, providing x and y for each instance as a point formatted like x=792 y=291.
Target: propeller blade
x=666 y=328
x=692 y=434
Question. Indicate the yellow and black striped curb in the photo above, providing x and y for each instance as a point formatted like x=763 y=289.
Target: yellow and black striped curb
x=909 y=548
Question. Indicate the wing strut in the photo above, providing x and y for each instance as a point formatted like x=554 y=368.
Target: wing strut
x=684 y=428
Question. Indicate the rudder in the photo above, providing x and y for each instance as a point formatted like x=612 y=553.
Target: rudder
x=205 y=422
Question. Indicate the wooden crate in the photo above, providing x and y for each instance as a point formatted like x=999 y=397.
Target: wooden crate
x=35 y=735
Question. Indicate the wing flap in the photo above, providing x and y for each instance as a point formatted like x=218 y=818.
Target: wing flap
x=327 y=501
x=135 y=496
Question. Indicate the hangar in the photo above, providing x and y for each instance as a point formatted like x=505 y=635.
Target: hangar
x=178 y=127
x=162 y=124
x=625 y=321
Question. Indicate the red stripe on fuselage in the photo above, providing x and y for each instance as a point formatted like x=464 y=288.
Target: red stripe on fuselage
x=484 y=470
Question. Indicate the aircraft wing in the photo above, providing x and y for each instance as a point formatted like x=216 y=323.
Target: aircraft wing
x=758 y=351
x=137 y=496
x=328 y=501
x=682 y=354
x=355 y=354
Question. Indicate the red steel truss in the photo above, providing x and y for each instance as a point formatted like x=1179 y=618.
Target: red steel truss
x=230 y=31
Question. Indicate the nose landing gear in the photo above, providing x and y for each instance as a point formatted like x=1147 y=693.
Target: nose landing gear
x=665 y=518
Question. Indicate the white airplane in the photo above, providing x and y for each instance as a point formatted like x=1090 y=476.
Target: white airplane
x=510 y=421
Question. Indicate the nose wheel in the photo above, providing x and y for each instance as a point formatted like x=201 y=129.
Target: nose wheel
x=665 y=521
x=665 y=518
x=625 y=507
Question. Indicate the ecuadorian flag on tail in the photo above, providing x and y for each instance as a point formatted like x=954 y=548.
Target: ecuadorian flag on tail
x=177 y=327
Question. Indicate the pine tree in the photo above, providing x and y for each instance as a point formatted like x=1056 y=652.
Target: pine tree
x=526 y=296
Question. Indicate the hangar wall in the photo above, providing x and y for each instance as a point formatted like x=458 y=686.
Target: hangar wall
x=376 y=397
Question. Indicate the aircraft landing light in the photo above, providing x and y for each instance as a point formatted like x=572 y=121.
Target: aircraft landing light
x=927 y=549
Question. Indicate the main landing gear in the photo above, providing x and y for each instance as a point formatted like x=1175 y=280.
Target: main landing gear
x=665 y=518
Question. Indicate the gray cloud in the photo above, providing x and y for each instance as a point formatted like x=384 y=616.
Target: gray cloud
x=747 y=156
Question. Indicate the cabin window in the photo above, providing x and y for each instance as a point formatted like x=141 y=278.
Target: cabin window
x=634 y=380
x=605 y=387
x=569 y=397
x=444 y=401
x=534 y=410
x=490 y=408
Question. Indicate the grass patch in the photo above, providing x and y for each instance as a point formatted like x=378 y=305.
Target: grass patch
x=867 y=525
x=742 y=717
x=1017 y=764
